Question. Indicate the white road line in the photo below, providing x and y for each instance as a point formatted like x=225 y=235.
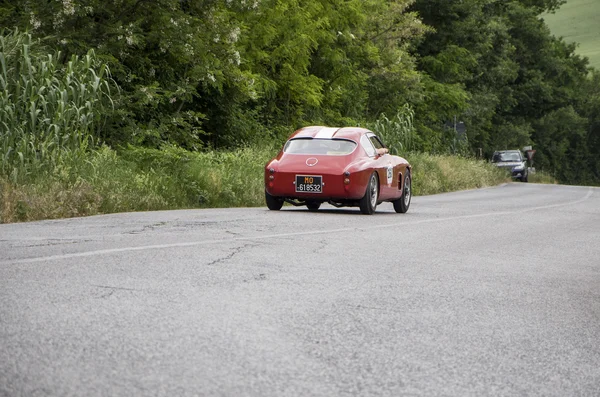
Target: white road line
x=275 y=236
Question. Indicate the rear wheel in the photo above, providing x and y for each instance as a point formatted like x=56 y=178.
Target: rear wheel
x=401 y=205
x=525 y=177
x=313 y=205
x=273 y=203
x=368 y=203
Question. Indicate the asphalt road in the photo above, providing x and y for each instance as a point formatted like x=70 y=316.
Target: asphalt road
x=485 y=292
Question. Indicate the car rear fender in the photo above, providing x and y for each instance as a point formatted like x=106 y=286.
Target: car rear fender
x=359 y=174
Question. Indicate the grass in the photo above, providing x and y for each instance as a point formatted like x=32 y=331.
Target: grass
x=47 y=108
x=542 y=177
x=139 y=179
x=579 y=21
x=442 y=173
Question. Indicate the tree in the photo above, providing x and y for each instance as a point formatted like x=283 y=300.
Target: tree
x=517 y=78
x=161 y=53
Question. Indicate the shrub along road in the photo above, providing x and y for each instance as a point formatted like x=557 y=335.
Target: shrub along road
x=484 y=292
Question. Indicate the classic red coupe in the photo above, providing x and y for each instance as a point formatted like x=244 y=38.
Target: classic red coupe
x=347 y=166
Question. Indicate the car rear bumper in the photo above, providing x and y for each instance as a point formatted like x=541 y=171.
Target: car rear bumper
x=517 y=174
x=282 y=184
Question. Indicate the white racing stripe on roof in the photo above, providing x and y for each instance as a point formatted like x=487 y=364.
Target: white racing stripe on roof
x=326 y=132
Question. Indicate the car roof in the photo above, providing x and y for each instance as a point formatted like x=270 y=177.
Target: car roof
x=507 y=151
x=353 y=133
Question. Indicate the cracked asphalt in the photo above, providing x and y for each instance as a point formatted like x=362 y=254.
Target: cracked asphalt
x=490 y=292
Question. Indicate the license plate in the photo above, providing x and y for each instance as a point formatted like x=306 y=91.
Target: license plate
x=309 y=184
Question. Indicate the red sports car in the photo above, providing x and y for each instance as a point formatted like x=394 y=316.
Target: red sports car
x=341 y=166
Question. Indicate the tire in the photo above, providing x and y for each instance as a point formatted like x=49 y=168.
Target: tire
x=525 y=178
x=273 y=203
x=401 y=205
x=313 y=206
x=368 y=203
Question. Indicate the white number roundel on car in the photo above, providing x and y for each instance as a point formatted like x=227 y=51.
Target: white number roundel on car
x=390 y=174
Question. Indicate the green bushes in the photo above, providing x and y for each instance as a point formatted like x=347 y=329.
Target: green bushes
x=47 y=109
x=542 y=177
x=136 y=179
x=209 y=179
x=223 y=74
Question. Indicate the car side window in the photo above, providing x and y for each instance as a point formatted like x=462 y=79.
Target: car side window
x=368 y=146
x=376 y=142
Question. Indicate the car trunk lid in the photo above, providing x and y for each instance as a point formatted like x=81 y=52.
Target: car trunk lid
x=314 y=164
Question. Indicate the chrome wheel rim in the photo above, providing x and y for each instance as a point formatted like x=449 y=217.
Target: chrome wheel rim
x=407 y=191
x=373 y=189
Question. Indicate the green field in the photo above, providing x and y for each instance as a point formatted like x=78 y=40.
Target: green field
x=579 y=21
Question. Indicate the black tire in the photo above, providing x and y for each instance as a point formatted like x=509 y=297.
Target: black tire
x=273 y=203
x=403 y=203
x=368 y=203
x=313 y=206
x=525 y=178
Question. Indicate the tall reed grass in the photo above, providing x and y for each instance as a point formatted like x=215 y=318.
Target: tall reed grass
x=398 y=132
x=47 y=108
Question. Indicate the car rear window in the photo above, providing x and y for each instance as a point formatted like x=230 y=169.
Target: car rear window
x=331 y=147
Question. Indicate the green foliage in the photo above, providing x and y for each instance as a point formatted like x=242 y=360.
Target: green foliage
x=566 y=152
x=591 y=110
x=211 y=179
x=442 y=103
x=166 y=55
x=434 y=174
x=221 y=73
x=399 y=132
x=226 y=75
x=515 y=78
x=137 y=179
x=47 y=109
x=541 y=177
x=329 y=62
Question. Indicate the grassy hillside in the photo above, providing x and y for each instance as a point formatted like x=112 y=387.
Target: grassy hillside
x=579 y=21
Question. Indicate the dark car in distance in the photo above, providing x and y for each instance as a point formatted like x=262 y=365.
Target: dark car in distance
x=513 y=161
